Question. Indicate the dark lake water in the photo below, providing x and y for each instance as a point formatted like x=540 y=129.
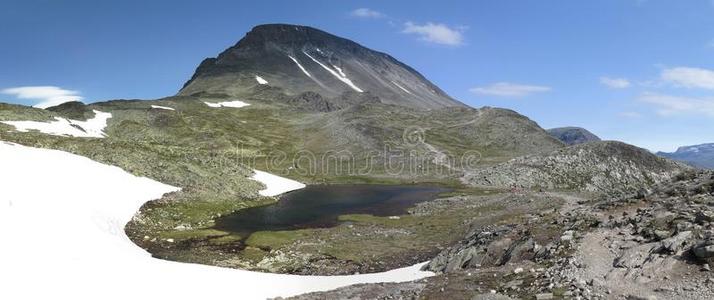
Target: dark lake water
x=320 y=205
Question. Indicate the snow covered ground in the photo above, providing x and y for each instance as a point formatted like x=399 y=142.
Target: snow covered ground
x=275 y=185
x=61 y=222
x=260 y=80
x=93 y=127
x=234 y=104
x=162 y=107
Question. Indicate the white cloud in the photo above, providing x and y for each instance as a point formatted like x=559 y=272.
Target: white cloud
x=667 y=105
x=436 y=33
x=615 y=83
x=47 y=96
x=630 y=115
x=689 y=77
x=506 y=89
x=366 y=13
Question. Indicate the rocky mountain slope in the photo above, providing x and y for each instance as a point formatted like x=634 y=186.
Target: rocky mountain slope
x=300 y=59
x=701 y=156
x=573 y=135
x=602 y=167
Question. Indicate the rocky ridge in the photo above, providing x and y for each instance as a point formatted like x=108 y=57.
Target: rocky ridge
x=573 y=135
x=600 y=167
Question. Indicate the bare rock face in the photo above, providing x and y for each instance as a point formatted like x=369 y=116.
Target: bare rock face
x=611 y=167
x=298 y=59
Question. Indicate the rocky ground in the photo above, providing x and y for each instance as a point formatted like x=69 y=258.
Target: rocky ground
x=657 y=245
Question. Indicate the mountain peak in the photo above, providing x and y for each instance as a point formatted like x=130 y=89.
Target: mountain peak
x=287 y=33
x=298 y=59
x=573 y=135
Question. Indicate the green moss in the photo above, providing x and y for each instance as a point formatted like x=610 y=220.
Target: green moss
x=274 y=239
x=226 y=239
x=364 y=218
x=180 y=235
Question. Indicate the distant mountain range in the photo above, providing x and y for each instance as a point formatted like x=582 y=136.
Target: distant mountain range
x=573 y=135
x=697 y=155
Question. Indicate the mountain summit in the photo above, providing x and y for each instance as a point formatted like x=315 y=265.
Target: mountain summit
x=301 y=59
x=573 y=135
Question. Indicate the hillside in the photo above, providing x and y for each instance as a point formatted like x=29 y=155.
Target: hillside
x=602 y=167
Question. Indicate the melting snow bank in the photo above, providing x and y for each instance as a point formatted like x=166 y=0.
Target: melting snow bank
x=275 y=185
x=341 y=76
x=403 y=89
x=162 y=107
x=64 y=127
x=260 y=80
x=300 y=66
x=236 y=104
x=66 y=239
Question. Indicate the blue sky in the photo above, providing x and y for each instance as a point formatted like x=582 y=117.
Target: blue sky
x=640 y=71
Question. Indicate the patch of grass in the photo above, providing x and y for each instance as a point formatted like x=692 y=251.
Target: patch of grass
x=274 y=239
x=180 y=235
x=226 y=239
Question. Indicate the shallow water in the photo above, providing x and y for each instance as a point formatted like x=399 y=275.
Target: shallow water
x=319 y=206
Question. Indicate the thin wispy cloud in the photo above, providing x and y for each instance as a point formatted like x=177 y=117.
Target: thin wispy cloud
x=689 y=77
x=46 y=96
x=630 y=115
x=367 y=13
x=615 y=83
x=507 y=89
x=436 y=33
x=669 y=105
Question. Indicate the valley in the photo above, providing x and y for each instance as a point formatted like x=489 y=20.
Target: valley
x=297 y=152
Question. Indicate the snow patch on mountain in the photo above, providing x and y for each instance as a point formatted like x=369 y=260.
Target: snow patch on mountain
x=260 y=80
x=234 y=104
x=92 y=128
x=162 y=107
x=338 y=76
x=403 y=89
x=300 y=66
x=80 y=208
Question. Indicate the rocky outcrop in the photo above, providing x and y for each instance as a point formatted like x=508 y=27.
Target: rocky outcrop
x=602 y=167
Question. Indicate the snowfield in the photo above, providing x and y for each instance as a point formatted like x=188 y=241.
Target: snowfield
x=234 y=104
x=93 y=128
x=402 y=88
x=275 y=185
x=61 y=221
x=162 y=107
x=300 y=66
x=260 y=80
x=341 y=76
